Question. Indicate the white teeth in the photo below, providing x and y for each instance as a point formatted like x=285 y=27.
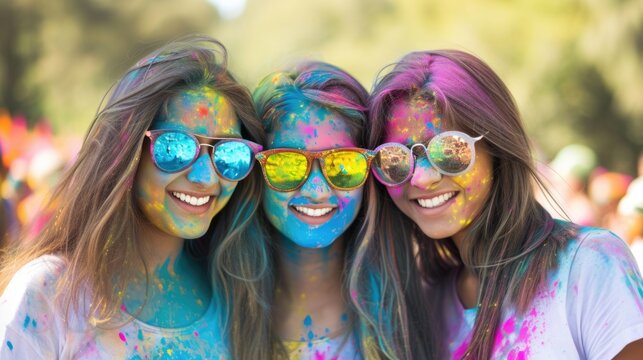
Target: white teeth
x=313 y=212
x=192 y=200
x=435 y=201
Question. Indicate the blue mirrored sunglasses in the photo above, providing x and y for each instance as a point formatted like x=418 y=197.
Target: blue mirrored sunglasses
x=175 y=150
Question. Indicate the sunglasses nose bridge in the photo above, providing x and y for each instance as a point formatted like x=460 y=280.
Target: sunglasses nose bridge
x=315 y=186
x=419 y=150
x=202 y=171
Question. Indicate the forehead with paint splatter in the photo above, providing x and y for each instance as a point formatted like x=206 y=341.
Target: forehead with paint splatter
x=412 y=120
x=307 y=125
x=201 y=110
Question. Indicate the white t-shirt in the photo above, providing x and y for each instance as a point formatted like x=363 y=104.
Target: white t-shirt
x=32 y=327
x=590 y=309
x=324 y=348
x=637 y=250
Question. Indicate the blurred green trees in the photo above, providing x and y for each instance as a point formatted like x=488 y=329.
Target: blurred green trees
x=60 y=57
x=574 y=66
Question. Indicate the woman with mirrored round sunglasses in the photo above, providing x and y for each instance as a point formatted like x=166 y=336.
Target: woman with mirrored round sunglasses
x=455 y=203
x=152 y=246
x=314 y=168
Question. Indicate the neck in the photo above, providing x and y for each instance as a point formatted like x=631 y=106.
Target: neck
x=309 y=291
x=468 y=283
x=170 y=288
x=157 y=246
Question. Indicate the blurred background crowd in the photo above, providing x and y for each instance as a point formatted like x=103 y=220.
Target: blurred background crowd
x=574 y=67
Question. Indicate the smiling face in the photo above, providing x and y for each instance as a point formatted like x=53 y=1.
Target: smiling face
x=442 y=206
x=314 y=215
x=182 y=204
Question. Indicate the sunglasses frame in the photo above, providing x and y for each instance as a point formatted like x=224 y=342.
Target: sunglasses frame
x=154 y=134
x=262 y=158
x=471 y=142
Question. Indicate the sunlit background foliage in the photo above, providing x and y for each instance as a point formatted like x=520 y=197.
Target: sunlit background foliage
x=574 y=66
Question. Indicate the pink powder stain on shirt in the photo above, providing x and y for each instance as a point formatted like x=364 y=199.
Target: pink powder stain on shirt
x=122 y=337
x=524 y=337
x=553 y=289
x=509 y=325
x=517 y=355
x=322 y=356
x=461 y=350
x=196 y=333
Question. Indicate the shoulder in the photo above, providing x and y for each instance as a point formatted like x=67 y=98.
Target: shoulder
x=34 y=285
x=600 y=250
x=37 y=274
x=604 y=309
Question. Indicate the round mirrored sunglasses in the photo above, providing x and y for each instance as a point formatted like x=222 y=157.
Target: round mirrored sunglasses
x=450 y=153
x=175 y=150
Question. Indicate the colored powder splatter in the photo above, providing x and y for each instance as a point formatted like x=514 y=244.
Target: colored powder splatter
x=140 y=335
x=517 y=355
x=10 y=345
x=509 y=326
x=27 y=321
x=196 y=333
x=308 y=321
x=122 y=337
x=203 y=111
x=461 y=350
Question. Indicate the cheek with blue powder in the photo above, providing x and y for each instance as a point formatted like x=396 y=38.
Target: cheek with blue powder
x=279 y=209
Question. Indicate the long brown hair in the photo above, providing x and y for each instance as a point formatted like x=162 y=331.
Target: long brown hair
x=93 y=215
x=512 y=243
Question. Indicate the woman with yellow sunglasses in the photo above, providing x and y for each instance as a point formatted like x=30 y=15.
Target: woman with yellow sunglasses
x=314 y=169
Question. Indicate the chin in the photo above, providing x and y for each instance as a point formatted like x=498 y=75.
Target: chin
x=434 y=232
x=189 y=234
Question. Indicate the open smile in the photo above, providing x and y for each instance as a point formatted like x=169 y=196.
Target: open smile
x=193 y=203
x=435 y=201
x=313 y=215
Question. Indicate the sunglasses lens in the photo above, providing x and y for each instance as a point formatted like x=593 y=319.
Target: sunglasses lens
x=451 y=153
x=345 y=169
x=174 y=151
x=286 y=170
x=392 y=164
x=233 y=160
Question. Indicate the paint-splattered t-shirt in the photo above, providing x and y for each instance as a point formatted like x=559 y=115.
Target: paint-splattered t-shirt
x=324 y=348
x=591 y=308
x=32 y=327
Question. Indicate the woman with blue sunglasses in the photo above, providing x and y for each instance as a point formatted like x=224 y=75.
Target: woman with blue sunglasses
x=152 y=232
x=454 y=204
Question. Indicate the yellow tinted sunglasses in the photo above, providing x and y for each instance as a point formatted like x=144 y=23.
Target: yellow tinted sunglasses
x=288 y=169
